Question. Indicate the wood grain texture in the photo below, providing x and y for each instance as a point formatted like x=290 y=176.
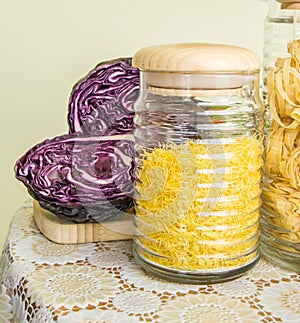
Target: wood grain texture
x=196 y=57
x=68 y=232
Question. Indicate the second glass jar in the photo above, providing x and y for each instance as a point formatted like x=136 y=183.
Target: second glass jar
x=198 y=141
x=281 y=180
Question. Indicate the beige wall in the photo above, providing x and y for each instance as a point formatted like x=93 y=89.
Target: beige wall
x=46 y=46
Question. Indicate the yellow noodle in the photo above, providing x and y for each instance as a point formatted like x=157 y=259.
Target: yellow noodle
x=206 y=214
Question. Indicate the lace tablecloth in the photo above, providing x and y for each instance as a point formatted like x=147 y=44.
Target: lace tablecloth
x=100 y=282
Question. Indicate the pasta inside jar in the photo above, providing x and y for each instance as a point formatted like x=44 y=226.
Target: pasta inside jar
x=281 y=183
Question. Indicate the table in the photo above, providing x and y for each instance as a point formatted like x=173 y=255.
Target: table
x=42 y=281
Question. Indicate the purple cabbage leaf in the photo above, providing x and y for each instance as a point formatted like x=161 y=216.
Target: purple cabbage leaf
x=84 y=178
x=102 y=101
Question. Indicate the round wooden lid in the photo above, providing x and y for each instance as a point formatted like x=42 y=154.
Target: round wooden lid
x=196 y=57
x=290 y=4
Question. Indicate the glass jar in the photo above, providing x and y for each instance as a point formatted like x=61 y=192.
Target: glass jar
x=280 y=26
x=198 y=142
x=281 y=181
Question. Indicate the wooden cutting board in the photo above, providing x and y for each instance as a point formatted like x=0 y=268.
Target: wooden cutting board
x=68 y=232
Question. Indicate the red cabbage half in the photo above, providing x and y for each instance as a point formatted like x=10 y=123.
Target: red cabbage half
x=83 y=178
x=103 y=100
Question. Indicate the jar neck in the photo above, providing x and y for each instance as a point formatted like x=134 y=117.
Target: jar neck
x=195 y=93
x=199 y=84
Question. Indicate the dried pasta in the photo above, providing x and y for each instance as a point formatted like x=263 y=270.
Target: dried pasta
x=281 y=194
x=197 y=204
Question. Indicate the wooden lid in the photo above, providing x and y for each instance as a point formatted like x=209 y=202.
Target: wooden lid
x=290 y=4
x=200 y=67
x=196 y=57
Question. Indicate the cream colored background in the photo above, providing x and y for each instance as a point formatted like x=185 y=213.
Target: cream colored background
x=47 y=45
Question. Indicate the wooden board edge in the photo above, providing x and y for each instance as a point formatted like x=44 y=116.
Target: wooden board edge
x=68 y=232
